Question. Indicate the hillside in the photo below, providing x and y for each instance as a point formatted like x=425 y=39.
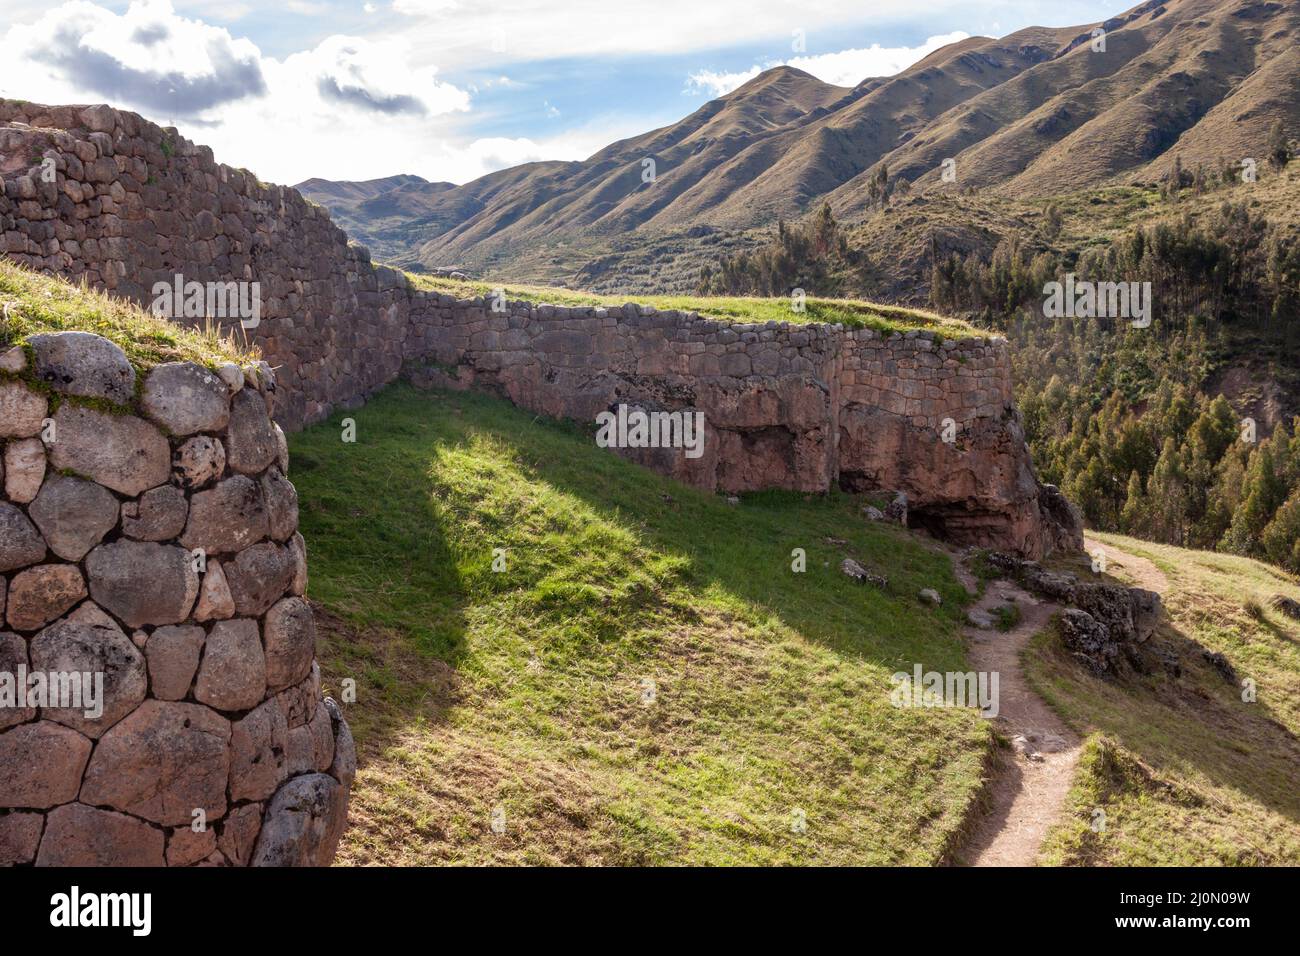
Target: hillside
x=1033 y=114
x=647 y=680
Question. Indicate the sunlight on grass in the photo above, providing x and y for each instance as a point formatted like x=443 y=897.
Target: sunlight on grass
x=527 y=688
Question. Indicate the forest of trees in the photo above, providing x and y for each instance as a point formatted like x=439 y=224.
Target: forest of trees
x=1119 y=417
x=815 y=256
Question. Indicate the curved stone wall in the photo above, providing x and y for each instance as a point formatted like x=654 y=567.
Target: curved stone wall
x=160 y=702
x=103 y=195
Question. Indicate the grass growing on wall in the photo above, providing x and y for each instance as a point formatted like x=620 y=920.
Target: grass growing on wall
x=32 y=303
x=528 y=689
x=848 y=312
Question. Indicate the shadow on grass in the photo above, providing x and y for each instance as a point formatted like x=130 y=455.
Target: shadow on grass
x=385 y=559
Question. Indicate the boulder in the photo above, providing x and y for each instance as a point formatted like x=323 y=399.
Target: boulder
x=42 y=594
x=1089 y=641
x=13 y=655
x=41 y=765
x=198 y=462
x=81 y=363
x=259 y=744
x=163 y=762
x=251 y=444
x=159 y=515
x=21 y=544
x=76 y=648
x=186 y=398
x=290 y=636
x=121 y=452
x=281 y=499
x=24 y=469
x=173 y=656
x=78 y=835
x=303 y=823
x=234 y=669
x=20 y=835
x=258 y=577
x=143 y=583
x=228 y=517
x=73 y=515
x=21 y=410
x=215 y=600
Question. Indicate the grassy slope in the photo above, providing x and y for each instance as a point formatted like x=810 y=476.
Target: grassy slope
x=524 y=689
x=1185 y=771
x=850 y=312
x=32 y=303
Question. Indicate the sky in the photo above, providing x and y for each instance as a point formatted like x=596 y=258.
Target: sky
x=453 y=89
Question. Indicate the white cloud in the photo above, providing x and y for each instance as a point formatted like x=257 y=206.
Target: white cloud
x=516 y=30
x=844 y=68
x=350 y=107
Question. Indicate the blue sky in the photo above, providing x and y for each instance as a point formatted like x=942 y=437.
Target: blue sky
x=451 y=89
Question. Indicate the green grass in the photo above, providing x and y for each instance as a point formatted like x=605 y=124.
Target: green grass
x=524 y=689
x=848 y=312
x=1185 y=771
x=32 y=303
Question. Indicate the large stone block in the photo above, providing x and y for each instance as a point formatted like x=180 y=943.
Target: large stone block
x=186 y=398
x=121 y=452
x=73 y=515
x=142 y=582
x=41 y=765
x=85 y=364
x=77 y=647
x=78 y=835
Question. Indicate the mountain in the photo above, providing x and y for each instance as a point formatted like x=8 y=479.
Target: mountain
x=1041 y=112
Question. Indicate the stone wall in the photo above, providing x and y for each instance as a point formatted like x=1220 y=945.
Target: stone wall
x=786 y=405
x=148 y=540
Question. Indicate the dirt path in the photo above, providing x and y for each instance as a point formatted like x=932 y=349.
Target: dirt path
x=1142 y=573
x=1028 y=791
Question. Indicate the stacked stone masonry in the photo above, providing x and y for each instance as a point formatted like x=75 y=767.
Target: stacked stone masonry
x=786 y=405
x=148 y=534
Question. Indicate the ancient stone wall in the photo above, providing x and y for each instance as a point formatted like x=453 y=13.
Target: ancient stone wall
x=159 y=698
x=785 y=405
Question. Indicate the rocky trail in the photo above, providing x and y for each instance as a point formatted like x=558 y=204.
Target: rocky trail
x=1030 y=783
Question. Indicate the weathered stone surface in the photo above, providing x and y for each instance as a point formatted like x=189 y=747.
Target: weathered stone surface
x=161 y=763
x=344 y=766
x=20 y=835
x=81 y=363
x=215 y=602
x=72 y=647
x=79 y=835
x=186 y=398
x=238 y=833
x=229 y=517
x=24 y=469
x=298 y=554
x=42 y=594
x=198 y=462
x=142 y=582
x=186 y=846
x=290 y=636
x=73 y=515
x=233 y=673
x=159 y=515
x=173 y=656
x=281 y=500
x=1089 y=641
x=303 y=823
x=259 y=744
x=250 y=441
x=13 y=360
x=13 y=655
x=20 y=543
x=21 y=410
x=258 y=577
x=121 y=452
x=41 y=765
